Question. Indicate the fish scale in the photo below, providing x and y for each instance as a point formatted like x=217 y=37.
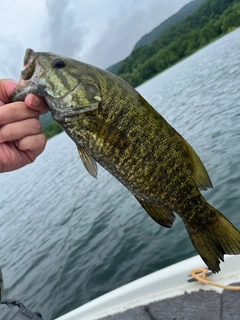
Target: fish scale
x=112 y=124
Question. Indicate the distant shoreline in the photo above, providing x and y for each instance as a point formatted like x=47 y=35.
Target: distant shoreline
x=203 y=46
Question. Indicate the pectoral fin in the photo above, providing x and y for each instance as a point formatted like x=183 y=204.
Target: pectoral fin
x=89 y=163
x=199 y=172
x=162 y=215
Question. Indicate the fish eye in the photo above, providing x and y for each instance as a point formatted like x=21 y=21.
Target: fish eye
x=58 y=63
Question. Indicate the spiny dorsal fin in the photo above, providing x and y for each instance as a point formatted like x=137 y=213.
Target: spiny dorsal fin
x=162 y=215
x=89 y=163
x=199 y=172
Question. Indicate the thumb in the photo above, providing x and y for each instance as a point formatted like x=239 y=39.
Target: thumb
x=6 y=88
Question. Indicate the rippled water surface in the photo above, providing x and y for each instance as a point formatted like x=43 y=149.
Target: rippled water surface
x=66 y=238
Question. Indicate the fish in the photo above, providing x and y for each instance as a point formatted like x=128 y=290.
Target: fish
x=114 y=126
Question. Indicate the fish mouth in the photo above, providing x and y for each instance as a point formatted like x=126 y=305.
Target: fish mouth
x=29 y=80
x=23 y=88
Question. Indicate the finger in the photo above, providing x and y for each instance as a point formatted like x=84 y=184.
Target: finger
x=20 y=129
x=35 y=103
x=6 y=88
x=16 y=111
x=32 y=145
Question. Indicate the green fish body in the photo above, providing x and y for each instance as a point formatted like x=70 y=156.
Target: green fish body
x=112 y=124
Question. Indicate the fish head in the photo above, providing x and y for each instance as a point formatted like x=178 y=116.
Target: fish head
x=65 y=84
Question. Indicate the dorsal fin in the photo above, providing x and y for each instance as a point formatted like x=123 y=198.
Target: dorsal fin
x=162 y=215
x=199 y=172
x=89 y=163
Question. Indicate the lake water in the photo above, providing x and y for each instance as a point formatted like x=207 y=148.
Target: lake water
x=66 y=238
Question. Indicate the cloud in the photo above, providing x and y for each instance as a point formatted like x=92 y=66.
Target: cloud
x=126 y=26
x=97 y=32
x=19 y=30
x=62 y=34
x=11 y=63
x=101 y=33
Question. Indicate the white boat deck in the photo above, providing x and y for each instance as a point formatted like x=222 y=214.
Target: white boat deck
x=166 y=294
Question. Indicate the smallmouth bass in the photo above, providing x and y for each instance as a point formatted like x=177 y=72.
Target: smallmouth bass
x=112 y=124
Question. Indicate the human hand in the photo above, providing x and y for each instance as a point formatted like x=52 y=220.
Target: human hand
x=21 y=138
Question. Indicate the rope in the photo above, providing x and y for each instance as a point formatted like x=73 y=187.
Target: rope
x=200 y=275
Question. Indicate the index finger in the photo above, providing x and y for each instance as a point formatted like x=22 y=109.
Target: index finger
x=6 y=88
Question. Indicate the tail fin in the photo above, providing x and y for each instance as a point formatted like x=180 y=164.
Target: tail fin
x=215 y=240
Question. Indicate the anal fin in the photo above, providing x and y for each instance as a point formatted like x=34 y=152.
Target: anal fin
x=162 y=215
x=89 y=163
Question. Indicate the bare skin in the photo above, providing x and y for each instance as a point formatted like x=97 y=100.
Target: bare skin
x=21 y=138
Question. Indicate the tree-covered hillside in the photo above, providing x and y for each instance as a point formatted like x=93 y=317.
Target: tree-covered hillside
x=148 y=38
x=188 y=9
x=115 y=67
x=213 y=19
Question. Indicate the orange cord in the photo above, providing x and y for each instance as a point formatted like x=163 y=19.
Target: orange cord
x=200 y=275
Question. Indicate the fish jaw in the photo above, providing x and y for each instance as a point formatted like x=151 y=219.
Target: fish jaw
x=29 y=81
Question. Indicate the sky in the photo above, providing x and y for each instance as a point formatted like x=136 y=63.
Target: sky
x=99 y=32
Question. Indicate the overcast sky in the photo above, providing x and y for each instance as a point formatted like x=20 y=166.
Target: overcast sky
x=99 y=32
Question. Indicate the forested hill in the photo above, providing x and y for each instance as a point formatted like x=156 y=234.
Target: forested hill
x=174 y=19
x=148 y=38
x=211 y=20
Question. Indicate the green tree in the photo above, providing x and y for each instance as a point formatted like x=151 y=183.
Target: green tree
x=207 y=33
